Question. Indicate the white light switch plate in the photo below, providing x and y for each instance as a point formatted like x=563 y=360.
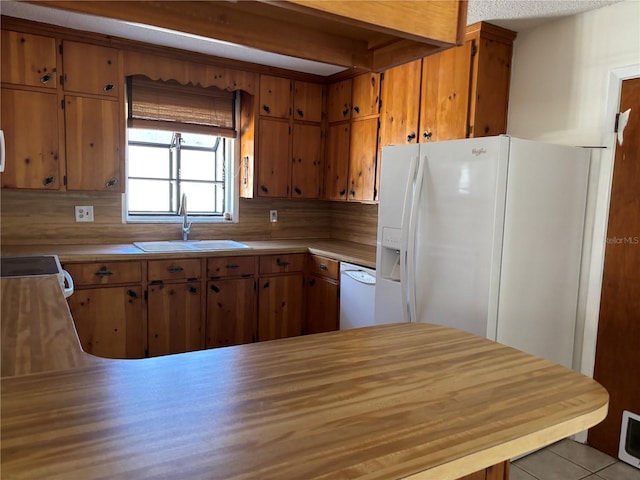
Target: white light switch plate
x=84 y=213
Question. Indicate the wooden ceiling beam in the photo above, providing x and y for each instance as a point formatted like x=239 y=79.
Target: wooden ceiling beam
x=333 y=32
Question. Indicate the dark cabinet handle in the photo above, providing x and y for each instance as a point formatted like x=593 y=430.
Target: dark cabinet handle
x=266 y=108
x=345 y=112
x=353 y=193
x=266 y=285
x=232 y=266
x=174 y=269
x=356 y=109
x=323 y=266
x=342 y=192
x=103 y=272
x=111 y=182
x=132 y=294
x=214 y=288
x=46 y=78
x=264 y=189
x=193 y=290
x=282 y=263
x=48 y=181
x=108 y=87
x=312 y=282
x=411 y=136
x=297 y=190
x=426 y=134
x=300 y=113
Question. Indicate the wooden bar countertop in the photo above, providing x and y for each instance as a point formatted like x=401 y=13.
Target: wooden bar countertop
x=414 y=401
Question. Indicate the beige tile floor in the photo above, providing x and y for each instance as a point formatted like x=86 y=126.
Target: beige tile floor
x=569 y=460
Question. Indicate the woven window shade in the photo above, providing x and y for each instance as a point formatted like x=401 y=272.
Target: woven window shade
x=179 y=108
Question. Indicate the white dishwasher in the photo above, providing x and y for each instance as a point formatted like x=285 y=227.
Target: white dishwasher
x=357 y=296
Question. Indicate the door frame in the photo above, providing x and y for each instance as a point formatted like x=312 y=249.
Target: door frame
x=601 y=215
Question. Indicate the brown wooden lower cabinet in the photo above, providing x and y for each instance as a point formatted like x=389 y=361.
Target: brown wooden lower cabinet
x=280 y=306
x=110 y=321
x=231 y=312
x=499 y=471
x=322 y=305
x=175 y=318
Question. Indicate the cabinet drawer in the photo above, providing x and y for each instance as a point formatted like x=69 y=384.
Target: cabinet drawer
x=231 y=267
x=105 y=273
x=293 y=262
x=179 y=269
x=324 y=266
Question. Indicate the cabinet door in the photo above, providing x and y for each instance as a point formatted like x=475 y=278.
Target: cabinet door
x=362 y=159
x=274 y=160
x=30 y=124
x=336 y=162
x=29 y=59
x=444 y=109
x=231 y=312
x=366 y=95
x=339 y=101
x=307 y=101
x=91 y=69
x=322 y=305
x=175 y=318
x=400 y=104
x=306 y=168
x=93 y=144
x=280 y=302
x=110 y=321
x=275 y=96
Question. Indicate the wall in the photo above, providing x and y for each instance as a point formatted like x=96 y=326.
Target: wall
x=560 y=84
x=31 y=217
x=34 y=217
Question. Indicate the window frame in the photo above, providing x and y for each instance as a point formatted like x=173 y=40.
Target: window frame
x=232 y=183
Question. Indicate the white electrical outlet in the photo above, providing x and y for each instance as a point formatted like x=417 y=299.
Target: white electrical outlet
x=84 y=213
x=273 y=216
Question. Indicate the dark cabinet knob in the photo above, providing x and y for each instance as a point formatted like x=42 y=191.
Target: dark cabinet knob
x=266 y=285
x=103 y=272
x=264 y=189
x=175 y=269
x=266 y=108
x=282 y=263
x=108 y=87
x=356 y=109
x=297 y=190
x=111 y=182
x=411 y=136
x=312 y=282
x=193 y=290
x=132 y=294
x=214 y=288
x=46 y=78
x=300 y=113
x=232 y=266
x=426 y=134
x=352 y=193
x=48 y=181
x=345 y=112
x=323 y=266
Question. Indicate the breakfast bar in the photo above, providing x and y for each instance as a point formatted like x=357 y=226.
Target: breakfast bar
x=395 y=401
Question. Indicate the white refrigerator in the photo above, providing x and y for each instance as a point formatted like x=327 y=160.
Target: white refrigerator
x=484 y=235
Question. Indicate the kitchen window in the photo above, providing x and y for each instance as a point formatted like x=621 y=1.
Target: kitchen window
x=180 y=141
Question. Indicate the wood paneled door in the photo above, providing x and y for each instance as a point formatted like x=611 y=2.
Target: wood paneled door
x=618 y=344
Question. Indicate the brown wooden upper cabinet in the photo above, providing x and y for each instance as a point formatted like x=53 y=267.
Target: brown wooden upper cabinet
x=29 y=60
x=289 y=138
x=351 y=144
x=91 y=69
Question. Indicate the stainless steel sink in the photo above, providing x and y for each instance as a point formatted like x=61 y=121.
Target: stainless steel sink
x=189 y=245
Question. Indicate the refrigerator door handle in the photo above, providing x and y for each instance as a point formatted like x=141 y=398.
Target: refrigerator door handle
x=407 y=268
x=410 y=257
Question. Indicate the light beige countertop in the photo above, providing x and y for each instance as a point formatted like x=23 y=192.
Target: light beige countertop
x=396 y=401
x=337 y=249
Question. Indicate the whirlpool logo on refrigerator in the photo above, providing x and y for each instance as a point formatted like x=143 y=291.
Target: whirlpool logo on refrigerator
x=478 y=151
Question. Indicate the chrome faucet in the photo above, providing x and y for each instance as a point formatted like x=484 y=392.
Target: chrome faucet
x=182 y=210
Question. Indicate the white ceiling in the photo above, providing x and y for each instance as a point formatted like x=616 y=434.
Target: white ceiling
x=516 y=15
